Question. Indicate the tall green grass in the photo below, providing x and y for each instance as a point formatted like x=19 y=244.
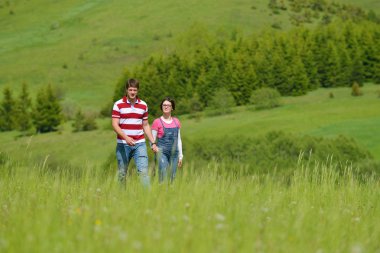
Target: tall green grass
x=205 y=210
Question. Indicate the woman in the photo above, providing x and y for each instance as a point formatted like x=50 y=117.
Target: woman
x=166 y=132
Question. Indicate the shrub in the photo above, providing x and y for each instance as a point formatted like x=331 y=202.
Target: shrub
x=356 y=90
x=89 y=123
x=84 y=122
x=221 y=103
x=281 y=150
x=276 y=25
x=265 y=98
x=106 y=110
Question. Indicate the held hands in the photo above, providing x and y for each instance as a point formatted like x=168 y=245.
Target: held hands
x=154 y=148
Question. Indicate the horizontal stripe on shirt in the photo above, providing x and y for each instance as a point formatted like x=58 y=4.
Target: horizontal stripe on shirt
x=132 y=115
x=131 y=127
x=127 y=105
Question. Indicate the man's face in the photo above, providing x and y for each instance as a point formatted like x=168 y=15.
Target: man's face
x=132 y=93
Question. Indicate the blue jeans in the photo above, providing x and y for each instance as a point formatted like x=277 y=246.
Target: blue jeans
x=167 y=165
x=124 y=154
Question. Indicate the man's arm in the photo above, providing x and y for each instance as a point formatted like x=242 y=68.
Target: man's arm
x=119 y=131
x=148 y=132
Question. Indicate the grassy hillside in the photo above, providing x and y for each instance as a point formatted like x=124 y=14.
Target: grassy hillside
x=313 y=114
x=82 y=47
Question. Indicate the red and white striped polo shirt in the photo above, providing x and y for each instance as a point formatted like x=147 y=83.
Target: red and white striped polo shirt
x=131 y=118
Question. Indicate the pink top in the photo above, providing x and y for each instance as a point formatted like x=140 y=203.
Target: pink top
x=157 y=125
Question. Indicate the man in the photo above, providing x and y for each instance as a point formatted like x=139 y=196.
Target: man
x=130 y=122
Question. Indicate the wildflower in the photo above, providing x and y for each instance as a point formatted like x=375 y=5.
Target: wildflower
x=220 y=217
x=137 y=245
x=219 y=226
x=186 y=218
x=98 y=222
x=123 y=236
x=156 y=235
x=357 y=248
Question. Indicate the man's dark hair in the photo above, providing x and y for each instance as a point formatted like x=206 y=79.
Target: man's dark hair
x=132 y=83
x=170 y=100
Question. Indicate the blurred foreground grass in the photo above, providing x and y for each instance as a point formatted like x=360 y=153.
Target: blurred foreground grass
x=206 y=209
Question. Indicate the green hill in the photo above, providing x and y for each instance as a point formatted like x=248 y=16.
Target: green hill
x=82 y=47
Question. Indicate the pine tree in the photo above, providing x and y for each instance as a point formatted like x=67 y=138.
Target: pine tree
x=47 y=111
x=23 y=111
x=346 y=66
x=264 y=69
x=369 y=55
x=238 y=81
x=204 y=88
x=307 y=54
x=153 y=86
x=357 y=74
x=329 y=69
x=281 y=74
x=7 y=111
x=298 y=82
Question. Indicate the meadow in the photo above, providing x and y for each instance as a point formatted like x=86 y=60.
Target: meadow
x=59 y=193
x=207 y=210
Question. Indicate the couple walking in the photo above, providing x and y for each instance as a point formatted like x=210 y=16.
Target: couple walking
x=130 y=122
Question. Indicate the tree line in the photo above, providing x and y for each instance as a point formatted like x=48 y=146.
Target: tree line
x=42 y=116
x=292 y=62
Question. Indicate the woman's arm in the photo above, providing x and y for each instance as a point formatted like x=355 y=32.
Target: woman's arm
x=180 y=154
x=154 y=133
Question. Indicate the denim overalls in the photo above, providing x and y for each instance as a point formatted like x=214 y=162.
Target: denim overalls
x=168 y=152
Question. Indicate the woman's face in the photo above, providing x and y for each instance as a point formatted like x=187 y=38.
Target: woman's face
x=166 y=107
